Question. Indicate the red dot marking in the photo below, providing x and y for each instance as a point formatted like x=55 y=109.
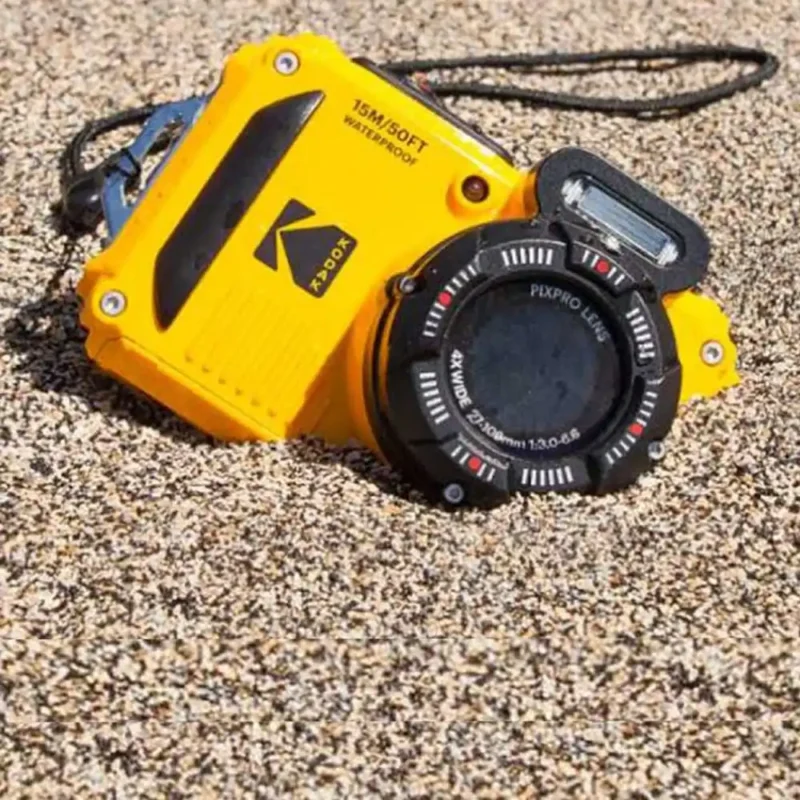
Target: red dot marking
x=602 y=266
x=474 y=463
x=636 y=429
x=445 y=298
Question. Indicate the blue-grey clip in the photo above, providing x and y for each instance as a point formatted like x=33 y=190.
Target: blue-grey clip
x=116 y=207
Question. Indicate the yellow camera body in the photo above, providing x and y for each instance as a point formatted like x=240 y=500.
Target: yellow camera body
x=247 y=286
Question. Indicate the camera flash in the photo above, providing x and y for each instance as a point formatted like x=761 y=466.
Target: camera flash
x=605 y=212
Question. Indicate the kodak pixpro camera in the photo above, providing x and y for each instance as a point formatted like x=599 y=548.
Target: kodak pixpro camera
x=326 y=250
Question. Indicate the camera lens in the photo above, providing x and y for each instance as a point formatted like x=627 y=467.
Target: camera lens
x=534 y=366
x=523 y=358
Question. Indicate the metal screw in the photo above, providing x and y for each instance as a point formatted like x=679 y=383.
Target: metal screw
x=712 y=353
x=453 y=493
x=407 y=285
x=612 y=244
x=113 y=303
x=656 y=451
x=287 y=63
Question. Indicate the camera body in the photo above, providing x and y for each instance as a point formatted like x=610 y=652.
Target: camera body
x=292 y=266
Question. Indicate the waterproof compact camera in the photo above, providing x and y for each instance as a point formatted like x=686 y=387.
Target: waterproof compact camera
x=326 y=250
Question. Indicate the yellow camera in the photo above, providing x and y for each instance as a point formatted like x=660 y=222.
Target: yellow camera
x=326 y=250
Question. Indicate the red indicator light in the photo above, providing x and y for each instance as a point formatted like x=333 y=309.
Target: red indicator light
x=636 y=429
x=445 y=298
x=474 y=463
x=603 y=266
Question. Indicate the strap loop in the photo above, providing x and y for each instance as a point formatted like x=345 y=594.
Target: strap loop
x=767 y=65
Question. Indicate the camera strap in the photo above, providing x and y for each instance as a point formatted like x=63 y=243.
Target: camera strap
x=654 y=59
x=80 y=210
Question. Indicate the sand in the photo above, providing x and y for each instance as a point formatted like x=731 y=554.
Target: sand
x=186 y=619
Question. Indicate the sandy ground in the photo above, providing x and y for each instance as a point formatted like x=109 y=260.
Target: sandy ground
x=186 y=619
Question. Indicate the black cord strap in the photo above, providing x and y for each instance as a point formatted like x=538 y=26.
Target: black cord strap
x=80 y=209
x=646 y=59
x=72 y=158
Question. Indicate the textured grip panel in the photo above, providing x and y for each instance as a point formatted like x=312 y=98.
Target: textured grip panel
x=254 y=352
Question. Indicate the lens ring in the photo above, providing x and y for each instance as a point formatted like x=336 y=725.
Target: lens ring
x=418 y=419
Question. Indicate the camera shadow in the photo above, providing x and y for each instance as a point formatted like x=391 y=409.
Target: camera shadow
x=47 y=337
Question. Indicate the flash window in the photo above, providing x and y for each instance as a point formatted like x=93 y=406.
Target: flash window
x=604 y=211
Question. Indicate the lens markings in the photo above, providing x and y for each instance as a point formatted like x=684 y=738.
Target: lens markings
x=476 y=464
x=603 y=267
x=445 y=298
x=634 y=431
x=429 y=385
x=645 y=347
x=523 y=256
x=556 y=294
x=547 y=478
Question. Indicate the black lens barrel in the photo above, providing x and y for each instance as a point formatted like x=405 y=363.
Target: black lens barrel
x=466 y=411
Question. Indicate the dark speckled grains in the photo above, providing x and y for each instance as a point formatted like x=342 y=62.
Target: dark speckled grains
x=186 y=619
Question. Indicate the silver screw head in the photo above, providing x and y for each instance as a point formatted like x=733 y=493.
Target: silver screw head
x=113 y=303
x=407 y=285
x=712 y=353
x=287 y=62
x=453 y=493
x=656 y=451
x=612 y=243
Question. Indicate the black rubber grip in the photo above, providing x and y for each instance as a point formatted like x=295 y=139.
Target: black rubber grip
x=225 y=199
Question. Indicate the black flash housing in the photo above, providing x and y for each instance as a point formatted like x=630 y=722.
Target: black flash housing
x=571 y=168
